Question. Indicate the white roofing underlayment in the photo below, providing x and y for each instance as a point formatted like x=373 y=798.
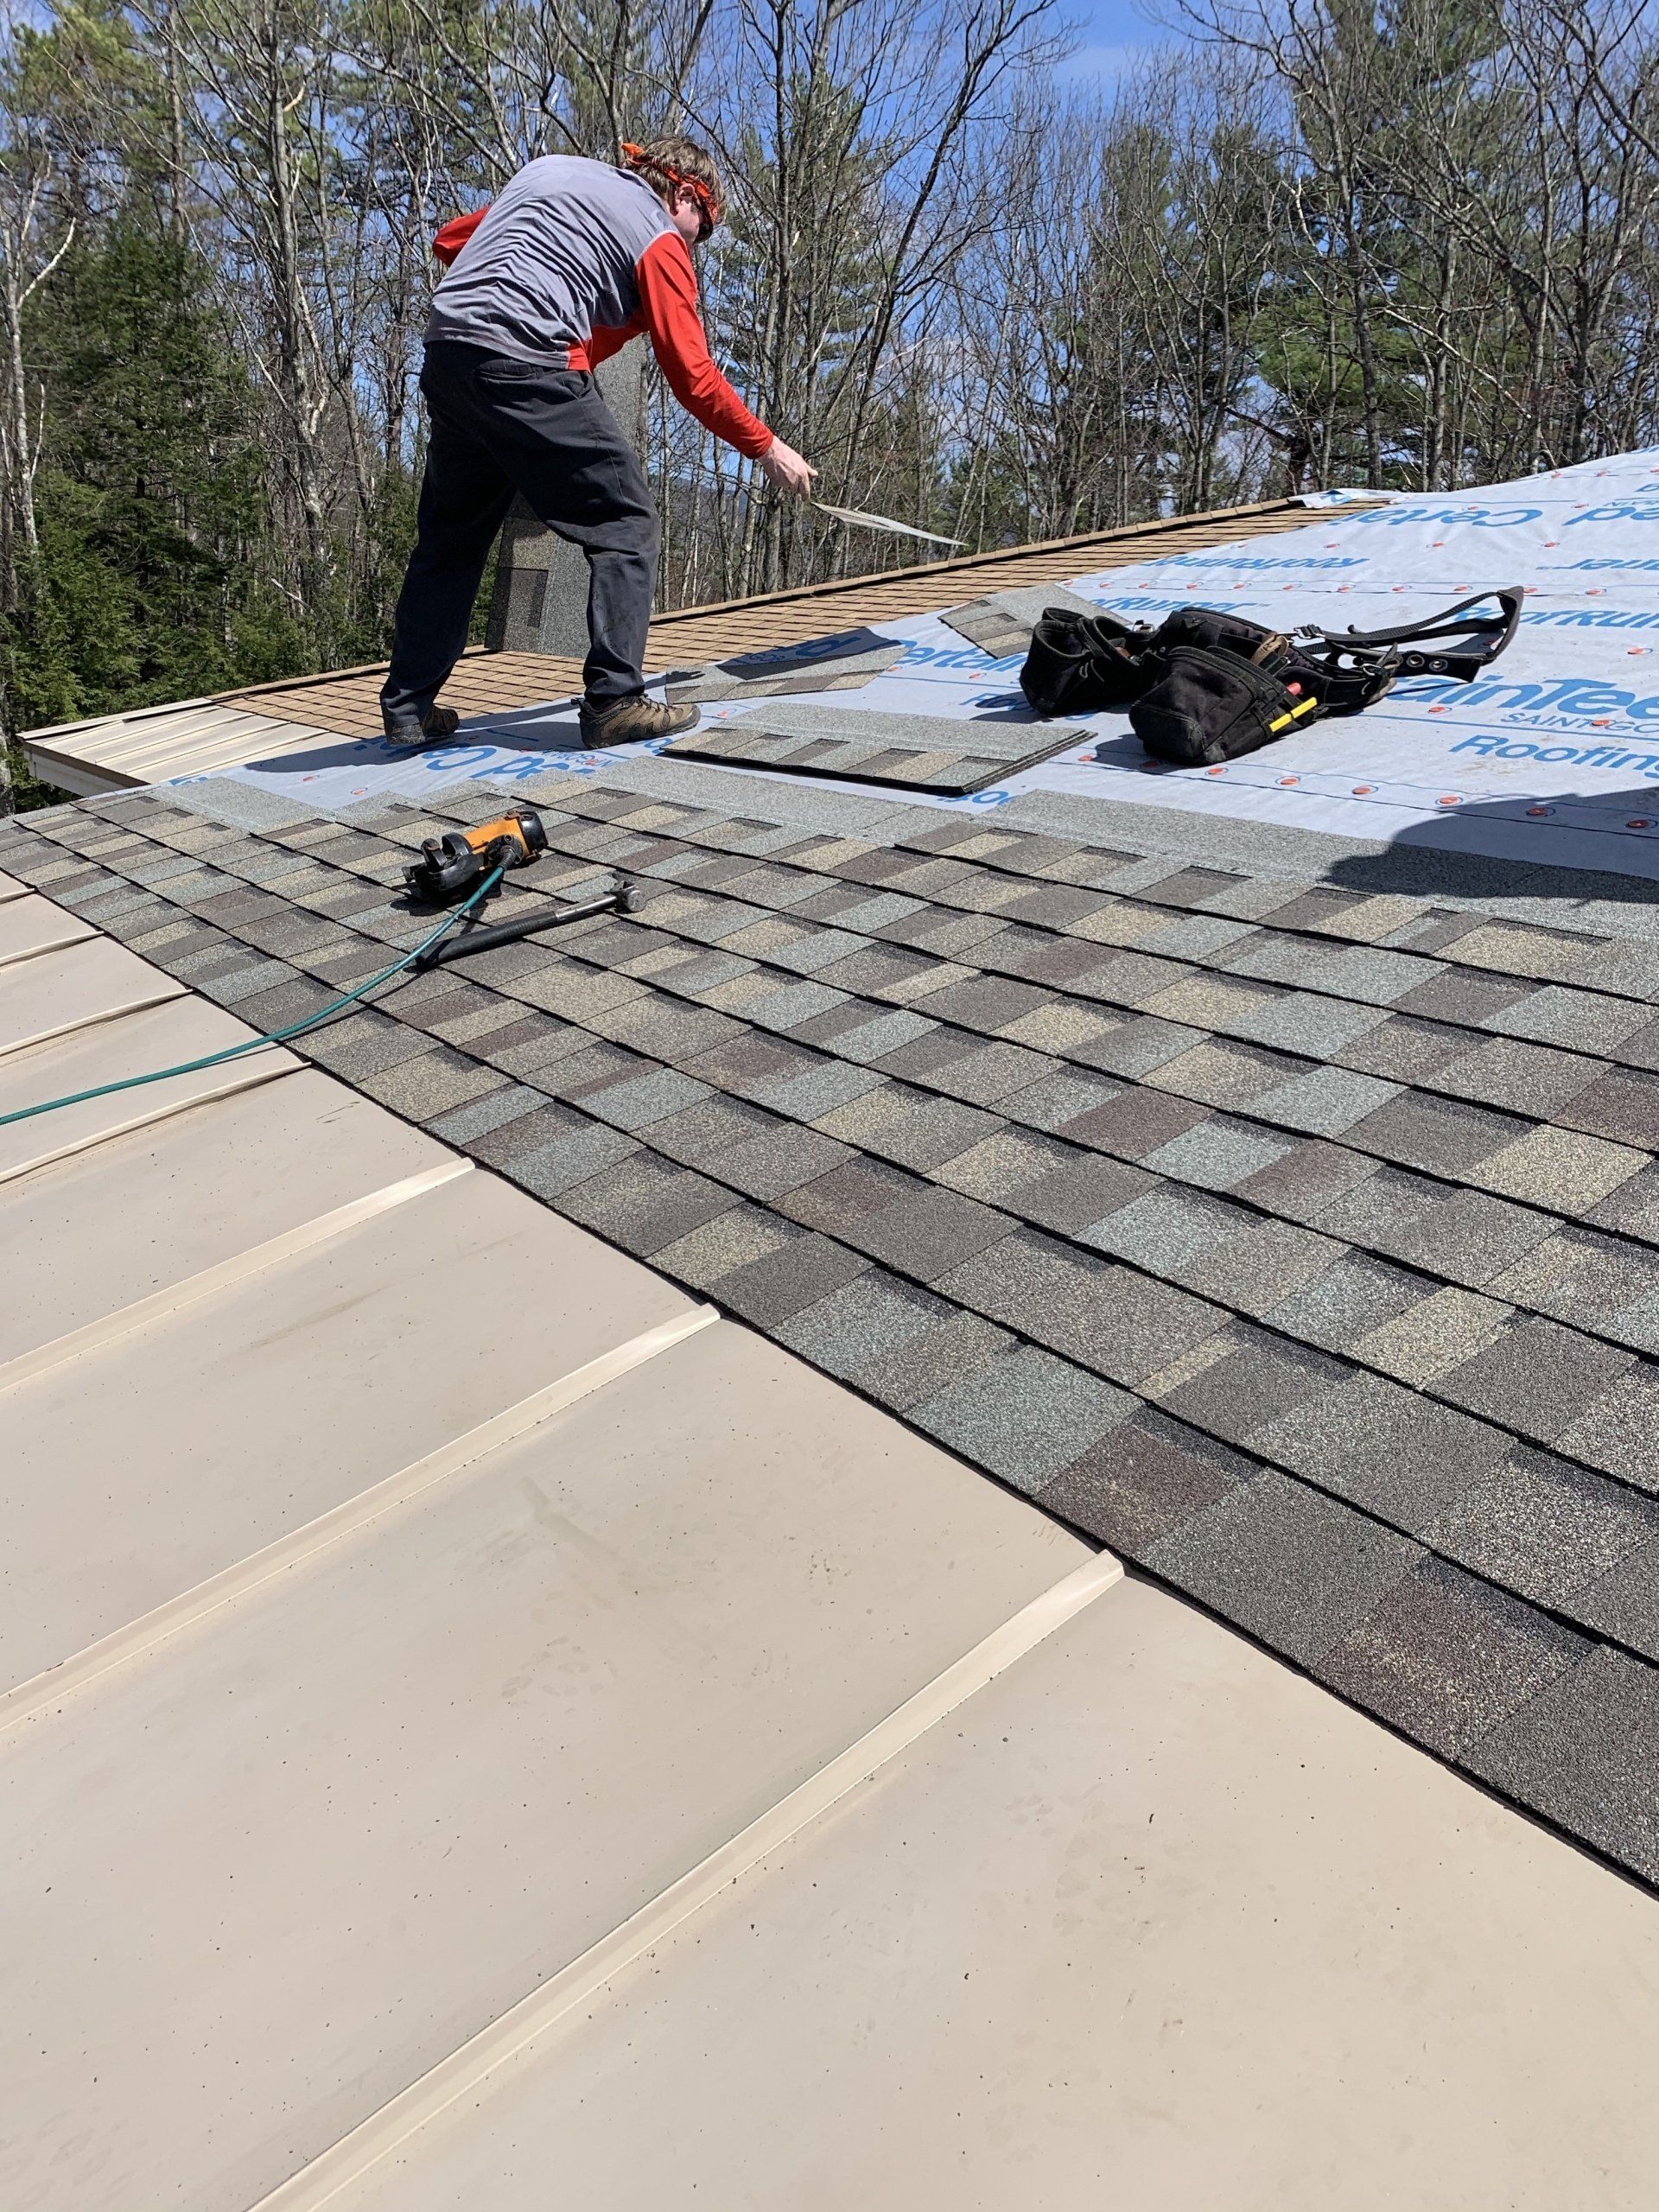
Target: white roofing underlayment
x=1553 y=756
x=482 y=1730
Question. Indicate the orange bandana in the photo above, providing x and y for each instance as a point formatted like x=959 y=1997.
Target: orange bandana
x=634 y=155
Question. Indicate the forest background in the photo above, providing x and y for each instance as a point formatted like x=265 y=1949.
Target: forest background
x=1307 y=243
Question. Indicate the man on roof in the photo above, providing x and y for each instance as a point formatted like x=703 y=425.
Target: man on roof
x=573 y=259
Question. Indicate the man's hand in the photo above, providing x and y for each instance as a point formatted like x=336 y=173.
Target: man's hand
x=782 y=466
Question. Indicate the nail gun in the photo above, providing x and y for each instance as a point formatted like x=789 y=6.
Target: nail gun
x=452 y=865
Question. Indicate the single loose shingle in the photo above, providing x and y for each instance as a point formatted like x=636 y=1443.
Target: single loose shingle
x=1393 y=1452
x=862 y=1321
x=1545 y=1528
x=1535 y=1376
x=798 y=1274
x=1325 y=1102
x=643 y=1202
x=1442 y=1136
x=1166 y=1230
x=1439 y=1331
x=1123 y=1325
x=1246 y=1393
x=1217 y=1155
x=1558 y=1168
x=1620 y=1431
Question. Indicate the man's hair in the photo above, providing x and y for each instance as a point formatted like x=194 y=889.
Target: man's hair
x=667 y=163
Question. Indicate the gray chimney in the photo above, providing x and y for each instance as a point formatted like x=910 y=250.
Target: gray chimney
x=539 y=602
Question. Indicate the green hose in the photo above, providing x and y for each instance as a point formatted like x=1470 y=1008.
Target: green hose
x=271 y=1036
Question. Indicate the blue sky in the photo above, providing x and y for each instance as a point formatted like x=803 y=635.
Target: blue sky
x=1110 y=31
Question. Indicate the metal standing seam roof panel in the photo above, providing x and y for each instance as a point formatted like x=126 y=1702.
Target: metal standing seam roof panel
x=169 y=1034
x=419 y=1585
x=178 y=1204
x=152 y=752
x=400 y=1318
x=86 y=982
x=1152 y=1924
x=32 y=926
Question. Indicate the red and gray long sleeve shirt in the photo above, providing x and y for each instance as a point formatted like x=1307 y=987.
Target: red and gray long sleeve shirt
x=573 y=260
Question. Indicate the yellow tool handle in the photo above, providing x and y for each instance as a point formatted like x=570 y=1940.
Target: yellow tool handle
x=1295 y=713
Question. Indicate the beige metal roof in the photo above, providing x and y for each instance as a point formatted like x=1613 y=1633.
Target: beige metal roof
x=201 y=736
x=481 y=1731
x=1149 y=1924
x=402 y=1589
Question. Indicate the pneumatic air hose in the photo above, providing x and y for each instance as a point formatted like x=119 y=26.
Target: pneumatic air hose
x=273 y=1036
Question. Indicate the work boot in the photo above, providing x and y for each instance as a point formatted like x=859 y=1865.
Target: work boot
x=440 y=725
x=625 y=721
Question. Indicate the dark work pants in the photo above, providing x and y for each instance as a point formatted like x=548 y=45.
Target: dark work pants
x=500 y=426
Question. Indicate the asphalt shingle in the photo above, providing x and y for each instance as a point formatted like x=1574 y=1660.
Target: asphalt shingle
x=1580 y=1020
x=568 y=1160
x=1535 y=1376
x=1299 y=1570
x=1063 y=1189
x=1325 y=1102
x=1623 y=1603
x=926 y=1233
x=1584 y=1752
x=1024 y=1415
x=1448 y=1658
x=1441 y=1136
x=1620 y=1433
x=1440 y=1331
x=1463 y=1234
x=1260 y=1266
x=769 y=1290
x=1397 y=1454
x=1218 y=1154
x=862 y=1322
x=1620 y=1105
x=1136 y=1123
x=643 y=1202
x=1121 y=1323
x=1523 y=1078
x=636 y=1101
x=925 y=1365
x=1248 y=1393
x=1544 y=1528
x=1145 y=1478
x=1165 y=1230
x=1599 y=1282
x=1558 y=1168
x=704 y=1256
x=433 y=1084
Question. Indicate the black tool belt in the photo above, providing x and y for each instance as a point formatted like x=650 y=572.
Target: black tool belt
x=1205 y=687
